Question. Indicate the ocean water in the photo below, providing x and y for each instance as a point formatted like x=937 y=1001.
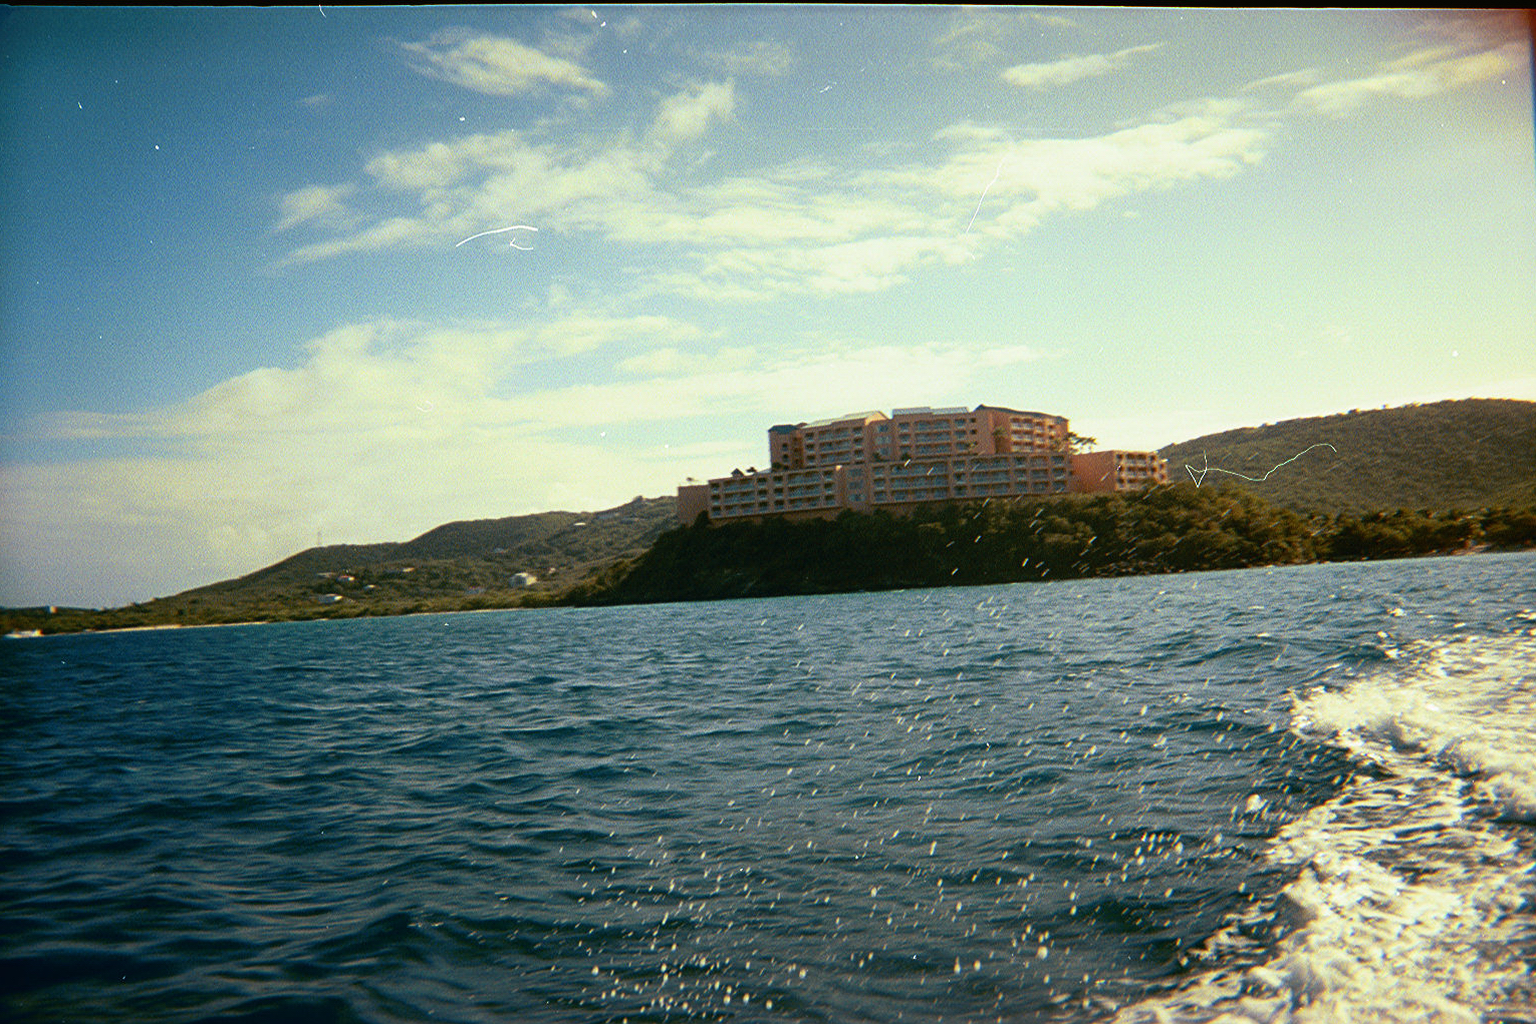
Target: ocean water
x=1291 y=794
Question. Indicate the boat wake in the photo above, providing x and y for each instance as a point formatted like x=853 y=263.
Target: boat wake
x=1415 y=892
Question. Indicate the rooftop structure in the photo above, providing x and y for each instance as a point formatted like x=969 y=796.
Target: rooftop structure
x=869 y=460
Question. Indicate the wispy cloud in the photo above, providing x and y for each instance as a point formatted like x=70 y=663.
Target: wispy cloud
x=796 y=228
x=380 y=235
x=374 y=378
x=1425 y=73
x=455 y=189
x=497 y=65
x=1072 y=69
x=983 y=35
x=1286 y=80
x=380 y=429
x=1027 y=180
x=312 y=202
x=860 y=265
x=761 y=57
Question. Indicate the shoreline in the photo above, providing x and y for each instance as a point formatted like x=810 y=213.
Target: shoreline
x=1472 y=550
x=38 y=634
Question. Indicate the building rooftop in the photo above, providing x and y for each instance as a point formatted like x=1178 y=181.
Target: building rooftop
x=849 y=417
x=1019 y=412
x=924 y=410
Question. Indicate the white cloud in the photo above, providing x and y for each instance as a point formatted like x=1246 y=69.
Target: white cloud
x=1026 y=180
x=1417 y=76
x=498 y=66
x=1071 y=69
x=363 y=387
x=871 y=231
x=799 y=229
x=688 y=115
x=802 y=227
x=477 y=182
x=311 y=203
x=381 y=430
x=372 y=380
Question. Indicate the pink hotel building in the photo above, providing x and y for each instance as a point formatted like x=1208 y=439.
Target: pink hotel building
x=869 y=460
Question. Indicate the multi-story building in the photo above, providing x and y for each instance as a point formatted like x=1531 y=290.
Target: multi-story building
x=1094 y=472
x=870 y=460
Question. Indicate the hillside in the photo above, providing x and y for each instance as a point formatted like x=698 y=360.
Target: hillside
x=551 y=545
x=1466 y=454
x=455 y=566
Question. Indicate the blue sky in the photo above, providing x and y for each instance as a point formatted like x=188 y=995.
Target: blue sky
x=241 y=304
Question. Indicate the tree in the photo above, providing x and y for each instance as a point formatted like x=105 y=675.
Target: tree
x=1073 y=442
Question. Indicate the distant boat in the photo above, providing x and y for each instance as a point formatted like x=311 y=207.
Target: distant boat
x=22 y=634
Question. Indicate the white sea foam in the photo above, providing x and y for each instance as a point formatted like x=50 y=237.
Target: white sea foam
x=1414 y=900
x=1468 y=706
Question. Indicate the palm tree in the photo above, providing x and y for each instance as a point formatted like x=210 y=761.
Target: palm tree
x=1073 y=443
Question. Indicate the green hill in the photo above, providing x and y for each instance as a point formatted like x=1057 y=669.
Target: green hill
x=1466 y=454
x=456 y=566
x=551 y=545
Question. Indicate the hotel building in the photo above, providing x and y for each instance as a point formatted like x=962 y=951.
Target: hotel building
x=870 y=460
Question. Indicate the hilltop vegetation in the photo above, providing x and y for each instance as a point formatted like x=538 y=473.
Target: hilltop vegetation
x=1172 y=528
x=1469 y=454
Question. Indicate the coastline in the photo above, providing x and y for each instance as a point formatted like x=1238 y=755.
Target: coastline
x=569 y=600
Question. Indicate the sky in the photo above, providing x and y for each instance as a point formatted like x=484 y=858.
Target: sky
x=343 y=274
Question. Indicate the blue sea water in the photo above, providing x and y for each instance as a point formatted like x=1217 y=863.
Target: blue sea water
x=1290 y=794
